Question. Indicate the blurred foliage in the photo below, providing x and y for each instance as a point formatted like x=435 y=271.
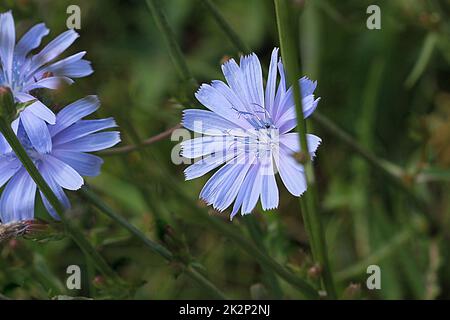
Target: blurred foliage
x=388 y=88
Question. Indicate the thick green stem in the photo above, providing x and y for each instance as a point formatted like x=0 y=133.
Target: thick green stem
x=153 y=246
x=74 y=232
x=289 y=53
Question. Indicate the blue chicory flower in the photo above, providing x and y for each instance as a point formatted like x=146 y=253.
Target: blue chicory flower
x=247 y=130
x=62 y=166
x=23 y=72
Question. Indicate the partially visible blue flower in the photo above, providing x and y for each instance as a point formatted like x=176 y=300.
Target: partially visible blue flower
x=23 y=71
x=247 y=130
x=62 y=166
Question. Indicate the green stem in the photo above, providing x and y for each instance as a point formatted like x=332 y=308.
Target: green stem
x=205 y=283
x=222 y=22
x=153 y=246
x=313 y=224
x=102 y=207
x=74 y=232
x=169 y=36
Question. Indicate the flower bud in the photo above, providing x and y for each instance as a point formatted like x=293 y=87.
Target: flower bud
x=7 y=107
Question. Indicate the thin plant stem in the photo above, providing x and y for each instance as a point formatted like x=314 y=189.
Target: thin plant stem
x=152 y=245
x=135 y=147
x=225 y=26
x=169 y=36
x=73 y=231
x=313 y=223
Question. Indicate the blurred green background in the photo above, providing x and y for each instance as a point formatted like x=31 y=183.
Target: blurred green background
x=388 y=88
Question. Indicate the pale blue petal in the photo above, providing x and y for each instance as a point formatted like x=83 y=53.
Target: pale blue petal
x=269 y=189
x=74 y=112
x=17 y=200
x=252 y=194
x=39 y=109
x=288 y=120
x=281 y=91
x=72 y=67
x=92 y=142
x=53 y=49
x=15 y=125
x=235 y=79
x=81 y=129
x=214 y=99
x=37 y=131
x=291 y=173
x=7 y=43
x=252 y=72
x=287 y=104
x=205 y=145
x=214 y=185
x=31 y=40
x=9 y=165
x=49 y=83
x=208 y=122
x=246 y=192
x=84 y=163
x=271 y=81
x=4 y=145
x=232 y=183
x=291 y=141
x=62 y=173
x=307 y=86
x=205 y=165
x=57 y=190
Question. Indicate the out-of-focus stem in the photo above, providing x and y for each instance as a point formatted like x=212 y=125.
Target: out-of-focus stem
x=229 y=31
x=145 y=143
x=169 y=36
